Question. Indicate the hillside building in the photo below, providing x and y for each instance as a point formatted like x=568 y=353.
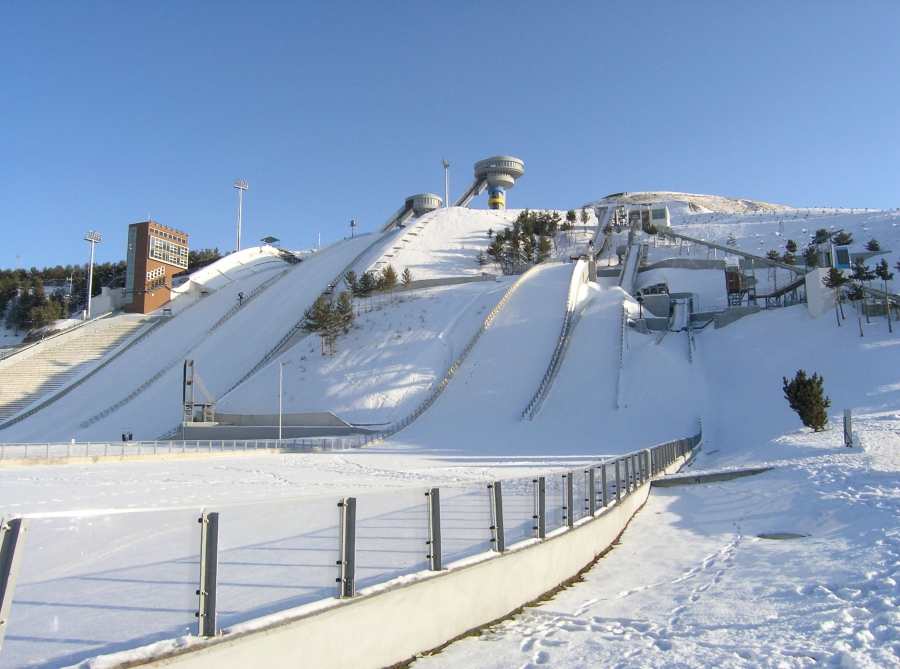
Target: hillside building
x=155 y=253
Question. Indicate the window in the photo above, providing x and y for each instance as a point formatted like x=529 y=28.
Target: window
x=169 y=252
x=659 y=214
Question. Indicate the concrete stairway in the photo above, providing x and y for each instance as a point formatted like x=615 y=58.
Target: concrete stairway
x=25 y=381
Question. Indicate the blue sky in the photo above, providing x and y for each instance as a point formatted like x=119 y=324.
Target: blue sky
x=333 y=111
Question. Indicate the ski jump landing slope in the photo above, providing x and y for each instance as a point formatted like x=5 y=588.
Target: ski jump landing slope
x=482 y=405
x=221 y=359
x=480 y=412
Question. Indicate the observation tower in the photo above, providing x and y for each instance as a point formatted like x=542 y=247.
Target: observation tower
x=497 y=175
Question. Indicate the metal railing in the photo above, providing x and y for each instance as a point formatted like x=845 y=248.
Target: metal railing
x=197 y=571
x=579 y=278
x=399 y=425
x=51 y=451
x=231 y=312
x=298 y=326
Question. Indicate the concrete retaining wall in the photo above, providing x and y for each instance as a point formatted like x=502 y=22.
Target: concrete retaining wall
x=395 y=621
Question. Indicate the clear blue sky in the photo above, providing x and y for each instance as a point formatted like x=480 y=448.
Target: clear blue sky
x=333 y=111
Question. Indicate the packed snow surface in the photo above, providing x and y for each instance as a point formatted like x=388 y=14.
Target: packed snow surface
x=690 y=583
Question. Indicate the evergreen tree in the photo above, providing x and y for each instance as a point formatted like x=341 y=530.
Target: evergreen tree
x=835 y=280
x=873 y=245
x=862 y=274
x=544 y=248
x=789 y=258
x=407 y=278
x=883 y=272
x=774 y=255
x=806 y=396
x=481 y=258
x=821 y=236
x=811 y=257
x=345 y=316
x=732 y=242
x=585 y=217
x=842 y=238
x=791 y=246
x=389 y=279
x=316 y=317
x=366 y=286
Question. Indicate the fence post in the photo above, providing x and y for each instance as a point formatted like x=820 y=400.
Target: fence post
x=604 y=491
x=434 y=530
x=12 y=538
x=618 y=480
x=540 y=507
x=569 y=502
x=497 y=535
x=591 y=500
x=347 y=579
x=209 y=563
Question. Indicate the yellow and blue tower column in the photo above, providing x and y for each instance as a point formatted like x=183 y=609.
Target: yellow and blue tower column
x=496 y=197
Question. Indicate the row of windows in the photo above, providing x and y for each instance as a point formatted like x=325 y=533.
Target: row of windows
x=167 y=252
x=169 y=235
x=156 y=273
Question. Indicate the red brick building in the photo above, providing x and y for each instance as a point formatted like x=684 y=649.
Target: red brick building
x=155 y=253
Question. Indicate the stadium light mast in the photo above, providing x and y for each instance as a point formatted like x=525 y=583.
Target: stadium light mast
x=446 y=182
x=241 y=185
x=94 y=238
x=352 y=228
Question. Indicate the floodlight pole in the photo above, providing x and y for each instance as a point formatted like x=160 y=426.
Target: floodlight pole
x=241 y=185
x=446 y=182
x=94 y=238
x=280 y=385
x=352 y=228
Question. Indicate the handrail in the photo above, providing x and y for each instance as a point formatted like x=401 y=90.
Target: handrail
x=399 y=425
x=575 y=283
x=299 y=324
x=256 y=292
x=68 y=330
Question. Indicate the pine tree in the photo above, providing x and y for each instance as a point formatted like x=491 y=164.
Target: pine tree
x=834 y=280
x=774 y=255
x=811 y=257
x=544 y=248
x=732 y=242
x=807 y=398
x=585 y=217
x=873 y=245
x=842 y=238
x=407 y=278
x=316 y=319
x=821 y=236
x=345 y=316
x=883 y=272
x=367 y=286
x=389 y=279
x=791 y=246
x=862 y=274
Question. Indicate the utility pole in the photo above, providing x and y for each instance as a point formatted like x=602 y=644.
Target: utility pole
x=241 y=185
x=93 y=238
x=446 y=182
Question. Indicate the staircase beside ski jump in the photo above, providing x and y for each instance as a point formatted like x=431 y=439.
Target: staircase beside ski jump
x=24 y=381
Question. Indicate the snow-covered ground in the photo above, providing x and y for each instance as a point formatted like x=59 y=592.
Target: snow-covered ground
x=689 y=584
x=387 y=364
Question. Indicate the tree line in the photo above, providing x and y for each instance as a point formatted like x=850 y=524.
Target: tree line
x=35 y=298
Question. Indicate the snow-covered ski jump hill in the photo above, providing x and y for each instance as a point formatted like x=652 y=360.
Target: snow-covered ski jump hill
x=447 y=369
